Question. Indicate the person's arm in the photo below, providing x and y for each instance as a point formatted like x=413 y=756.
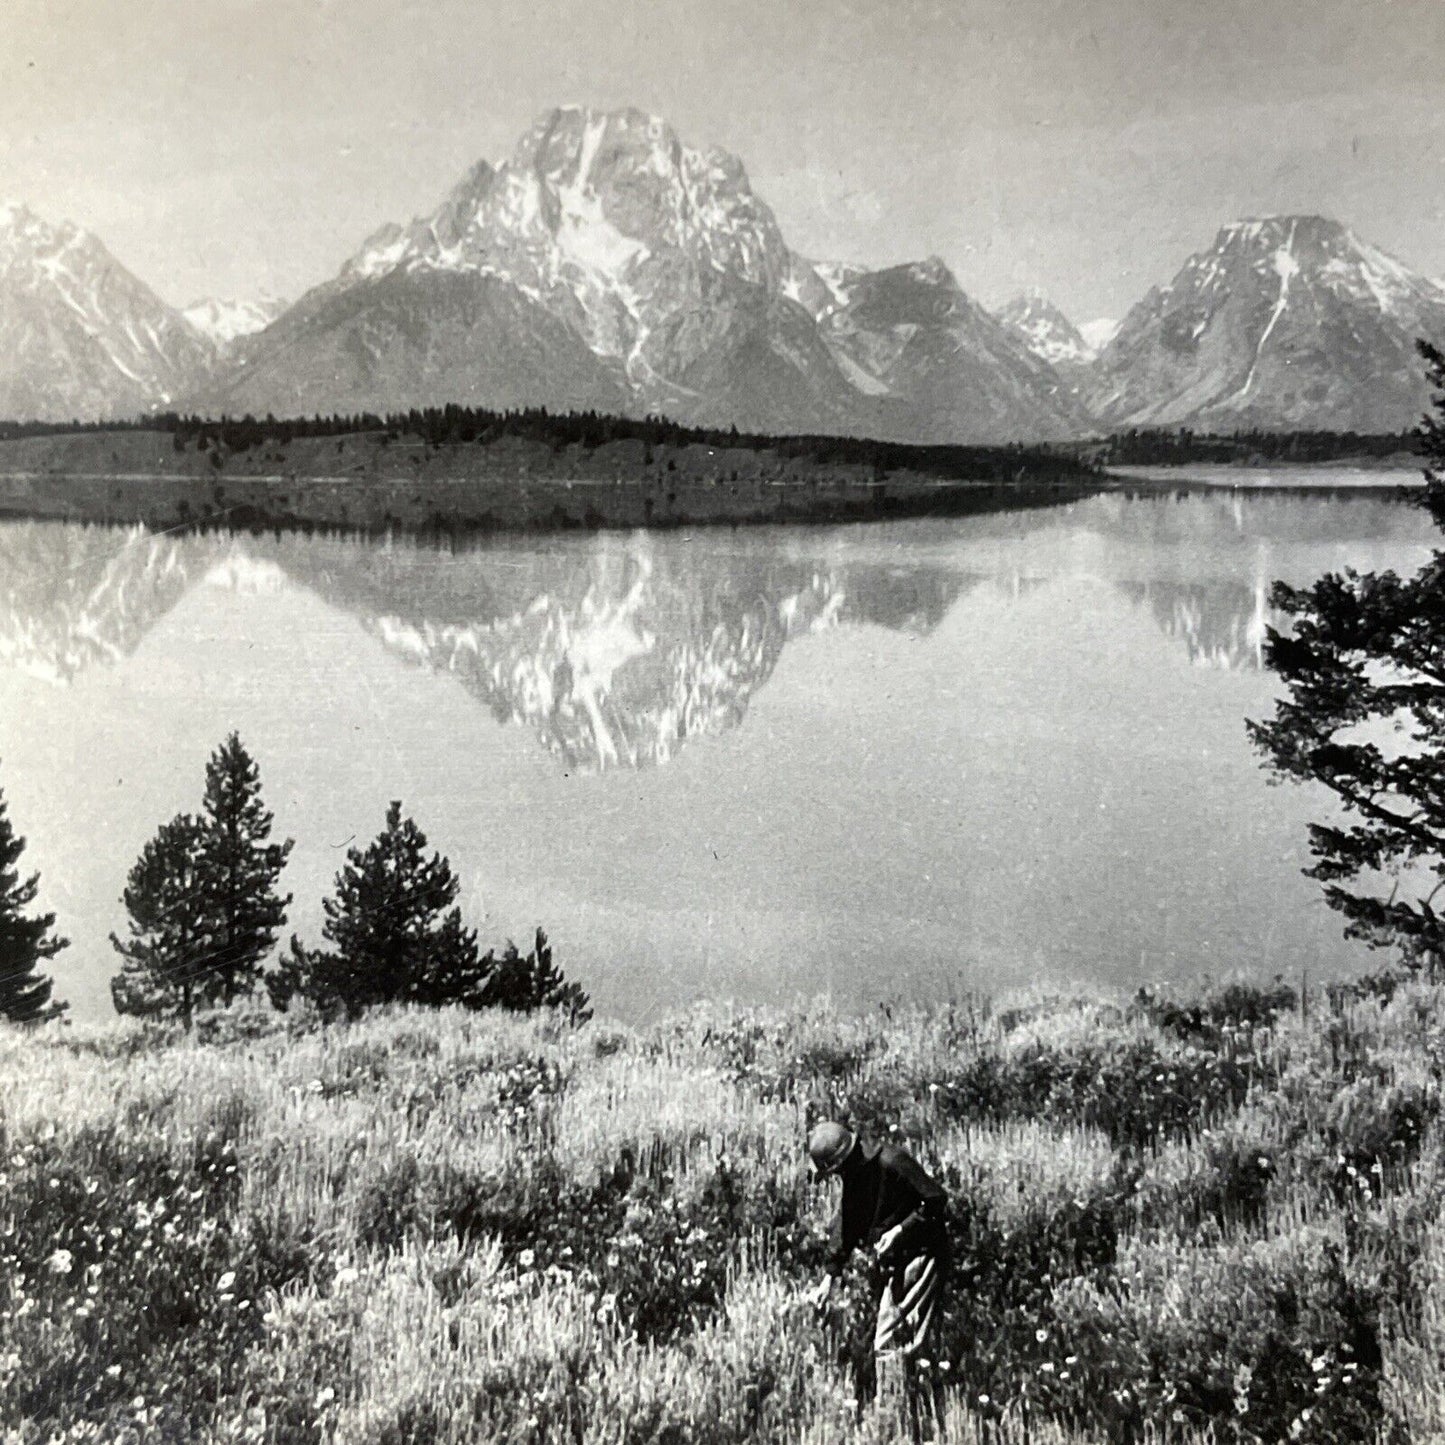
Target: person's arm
x=839 y=1246
x=930 y=1211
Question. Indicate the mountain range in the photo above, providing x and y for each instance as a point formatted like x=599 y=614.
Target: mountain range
x=605 y=264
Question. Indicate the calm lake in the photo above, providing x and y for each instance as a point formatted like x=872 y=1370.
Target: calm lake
x=874 y=761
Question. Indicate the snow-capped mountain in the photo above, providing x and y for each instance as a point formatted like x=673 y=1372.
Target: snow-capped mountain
x=941 y=368
x=1045 y=330
x=224 y=321
x=606 y=263
x=79 y=335
x=1292 y=321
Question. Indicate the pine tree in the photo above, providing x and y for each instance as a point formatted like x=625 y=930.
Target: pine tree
x=241 y=868
x=1364 y=664
x=24 y=941
x=172 y=948
x=524 y=985
x=395 y=936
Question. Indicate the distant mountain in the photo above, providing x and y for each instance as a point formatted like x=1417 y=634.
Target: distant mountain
x=603 y=264
x=938 y=365
x=607 y=264
x=79 y=335
x=1289 y=322
x=223 y=322
x=1046 y=331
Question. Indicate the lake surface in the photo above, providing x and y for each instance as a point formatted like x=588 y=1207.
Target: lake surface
x=874 y=761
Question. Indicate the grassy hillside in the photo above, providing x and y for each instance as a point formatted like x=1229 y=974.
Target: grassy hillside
x=1176 y=1223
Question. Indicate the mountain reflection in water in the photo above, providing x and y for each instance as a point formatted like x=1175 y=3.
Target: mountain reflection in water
x=618 y=650
x=615 y=653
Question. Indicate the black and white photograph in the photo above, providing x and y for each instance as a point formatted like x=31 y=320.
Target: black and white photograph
x=722 y=722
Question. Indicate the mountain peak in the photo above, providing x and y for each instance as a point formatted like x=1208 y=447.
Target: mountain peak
x=1045 y=330
x=933 y=271
x=1286 y=321
x=1267 y=232
x=79 y=335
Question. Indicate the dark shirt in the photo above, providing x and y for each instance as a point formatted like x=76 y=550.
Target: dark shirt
x=887 y=1187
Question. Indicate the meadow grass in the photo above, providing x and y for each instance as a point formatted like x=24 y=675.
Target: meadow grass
x=1211 y=1219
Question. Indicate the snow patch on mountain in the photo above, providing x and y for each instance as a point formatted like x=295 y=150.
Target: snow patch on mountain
x=1099 y=332
x=223 y=321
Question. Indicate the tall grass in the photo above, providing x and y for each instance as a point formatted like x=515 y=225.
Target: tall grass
x=1211 y=1219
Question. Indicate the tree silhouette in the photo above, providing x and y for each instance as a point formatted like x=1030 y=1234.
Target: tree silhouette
x=525 y=984
x=25 y=941
x=395 y=936
x=172 y=946
x=240 y=867
x=1364 y=664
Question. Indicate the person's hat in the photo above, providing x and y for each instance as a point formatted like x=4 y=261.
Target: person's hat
x=829 y=1146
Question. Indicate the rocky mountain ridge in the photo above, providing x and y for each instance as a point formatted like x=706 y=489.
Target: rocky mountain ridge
x=79 y=335
x=1285 y=322
x=607 y=265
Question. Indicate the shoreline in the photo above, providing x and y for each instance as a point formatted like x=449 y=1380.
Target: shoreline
x=368 y=483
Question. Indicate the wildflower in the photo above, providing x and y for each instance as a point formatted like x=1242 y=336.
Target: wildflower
x=226 y=1280
x=139 y=1403
x=112 y=1372
x=1041 y=1335
x=61 y=1262
x=983 y=1400
x=348 y=1274
x=527 y=1258
x=324 y=1397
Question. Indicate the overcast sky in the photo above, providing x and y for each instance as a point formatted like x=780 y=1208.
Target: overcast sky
x=226 y=147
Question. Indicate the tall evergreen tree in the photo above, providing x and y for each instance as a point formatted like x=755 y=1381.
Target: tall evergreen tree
x=1364 y=665
x=169 y=956
x=25 y=941
x=240 y=867
x=395 y=936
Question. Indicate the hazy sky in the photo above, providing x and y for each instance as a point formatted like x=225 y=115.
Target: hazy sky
x=226 y=147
